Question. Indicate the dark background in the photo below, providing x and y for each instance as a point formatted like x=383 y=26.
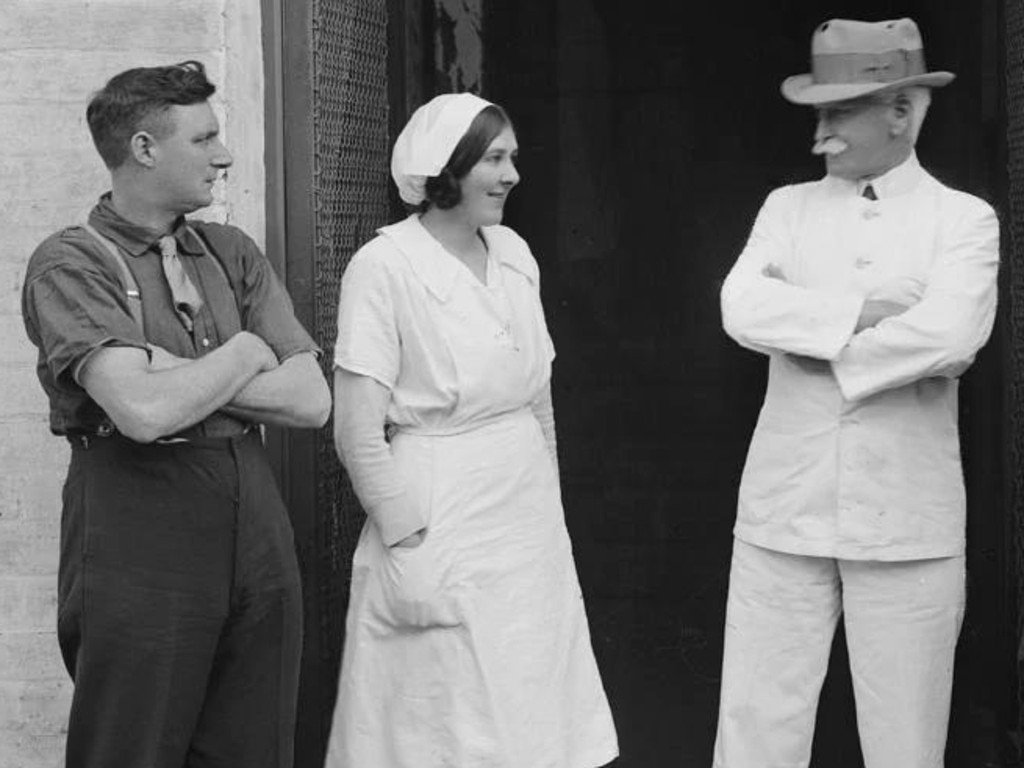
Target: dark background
x=649 y=135
x=650 y=132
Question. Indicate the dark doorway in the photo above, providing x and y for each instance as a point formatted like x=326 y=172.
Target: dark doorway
x=649 y=134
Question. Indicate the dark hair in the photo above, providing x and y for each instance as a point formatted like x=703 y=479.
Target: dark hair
x=136 y=100
x=443 y=190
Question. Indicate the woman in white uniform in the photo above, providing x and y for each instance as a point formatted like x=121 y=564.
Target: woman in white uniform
x=466 y=639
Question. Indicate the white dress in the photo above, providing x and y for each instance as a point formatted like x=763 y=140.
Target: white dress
x=471 y=650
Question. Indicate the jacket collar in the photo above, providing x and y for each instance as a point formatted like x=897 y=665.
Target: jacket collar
x=895 y=182
x=136 y=240
x=439 y=270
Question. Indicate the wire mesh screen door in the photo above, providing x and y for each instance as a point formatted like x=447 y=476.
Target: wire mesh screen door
x=350 y=125
x=336 y=71
x=349 y=199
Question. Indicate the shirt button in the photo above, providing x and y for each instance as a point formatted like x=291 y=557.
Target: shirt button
x=206 y=342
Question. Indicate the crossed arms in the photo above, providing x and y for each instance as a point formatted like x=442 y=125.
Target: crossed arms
x=150 y=398
x=901 y=332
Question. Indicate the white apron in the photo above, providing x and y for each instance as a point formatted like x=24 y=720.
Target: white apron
x=472 y=650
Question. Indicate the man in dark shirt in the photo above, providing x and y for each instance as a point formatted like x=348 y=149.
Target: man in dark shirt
x=162 y=346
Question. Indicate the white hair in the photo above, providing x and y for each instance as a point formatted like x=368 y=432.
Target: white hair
x=919 y=98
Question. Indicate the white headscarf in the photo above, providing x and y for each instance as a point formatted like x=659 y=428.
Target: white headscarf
x=425 y=145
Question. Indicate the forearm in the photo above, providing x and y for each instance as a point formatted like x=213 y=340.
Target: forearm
x=145 y=403
x=769 y=315
x=294 y=394
x=909 y=348
x=360 y=406
x=940 y=335
x=764 y=305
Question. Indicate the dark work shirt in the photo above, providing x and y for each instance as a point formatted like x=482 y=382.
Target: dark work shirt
x=74 y=303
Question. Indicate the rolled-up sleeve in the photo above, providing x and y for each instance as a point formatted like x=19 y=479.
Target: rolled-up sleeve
x=71 y=312
x=771 y=315
x=940 y=335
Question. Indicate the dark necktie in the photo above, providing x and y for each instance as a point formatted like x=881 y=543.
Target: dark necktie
x=184 y=295
x=869 y=193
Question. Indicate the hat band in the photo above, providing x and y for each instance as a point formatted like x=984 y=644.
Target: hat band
x=885 y=67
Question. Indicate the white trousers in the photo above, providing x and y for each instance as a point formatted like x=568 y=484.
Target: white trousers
x=902 y=621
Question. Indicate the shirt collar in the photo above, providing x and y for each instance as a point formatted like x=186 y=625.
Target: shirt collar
x=135 y=239
x=437 y=269
x=896 y=181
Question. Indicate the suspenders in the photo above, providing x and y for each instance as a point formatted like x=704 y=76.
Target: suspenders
x=131 y=287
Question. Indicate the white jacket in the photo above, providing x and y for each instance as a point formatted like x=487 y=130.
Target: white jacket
x=856 y=450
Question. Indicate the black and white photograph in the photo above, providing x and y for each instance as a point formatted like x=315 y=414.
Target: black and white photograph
x=511 y=384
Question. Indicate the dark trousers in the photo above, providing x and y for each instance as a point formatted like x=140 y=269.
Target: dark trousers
x=179 y=613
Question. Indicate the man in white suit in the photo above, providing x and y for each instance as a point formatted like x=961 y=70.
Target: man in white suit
x=870 y=290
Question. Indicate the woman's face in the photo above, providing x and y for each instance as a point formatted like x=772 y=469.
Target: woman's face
x=485 y=188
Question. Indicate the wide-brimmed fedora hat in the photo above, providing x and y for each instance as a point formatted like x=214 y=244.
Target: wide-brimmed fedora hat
x=850 y=59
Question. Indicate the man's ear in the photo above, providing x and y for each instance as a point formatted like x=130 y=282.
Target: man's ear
x=900 y=115
x=143 y=148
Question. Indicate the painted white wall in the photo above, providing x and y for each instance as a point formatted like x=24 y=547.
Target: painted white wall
x=53 y=54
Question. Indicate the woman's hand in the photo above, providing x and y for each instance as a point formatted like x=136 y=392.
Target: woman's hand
x=413 y=540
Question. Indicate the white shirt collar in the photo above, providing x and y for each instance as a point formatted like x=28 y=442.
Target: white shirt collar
x=439 y=270
x=896 y=181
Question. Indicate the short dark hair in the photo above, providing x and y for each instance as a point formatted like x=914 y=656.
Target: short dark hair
x=443 y=190
x=136 y=99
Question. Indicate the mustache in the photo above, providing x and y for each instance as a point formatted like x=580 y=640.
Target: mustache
x=830 y=146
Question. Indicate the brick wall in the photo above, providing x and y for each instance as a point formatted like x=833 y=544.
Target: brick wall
x=53 y=53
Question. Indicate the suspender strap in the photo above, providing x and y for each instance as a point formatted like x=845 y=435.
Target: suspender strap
x=131 y=287
x=209 y=252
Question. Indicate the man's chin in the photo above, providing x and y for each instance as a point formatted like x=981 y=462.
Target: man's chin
x=838 y=169
x=200 y=201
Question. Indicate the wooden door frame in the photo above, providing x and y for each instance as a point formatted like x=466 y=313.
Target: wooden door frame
x=287 y=46
x=289 y=74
